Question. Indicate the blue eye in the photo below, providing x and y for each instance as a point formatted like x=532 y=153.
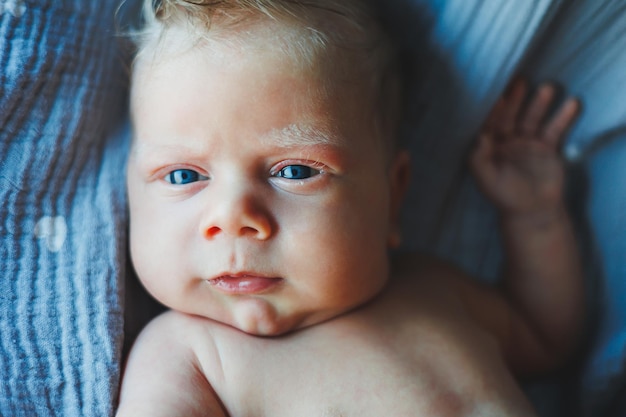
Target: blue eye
x=297 y=172
x=184 y=176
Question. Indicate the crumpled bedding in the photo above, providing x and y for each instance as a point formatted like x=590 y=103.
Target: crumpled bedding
x=62 y=218
x=64 y=131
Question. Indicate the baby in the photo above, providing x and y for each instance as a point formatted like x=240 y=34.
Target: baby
x=265 y=184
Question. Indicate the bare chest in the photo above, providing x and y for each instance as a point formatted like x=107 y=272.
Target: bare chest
x=347 y=369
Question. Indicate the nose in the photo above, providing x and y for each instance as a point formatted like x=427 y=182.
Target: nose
x=237 y=211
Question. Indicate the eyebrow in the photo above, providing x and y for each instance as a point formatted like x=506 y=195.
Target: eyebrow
x=296 y=135
x=291 y=136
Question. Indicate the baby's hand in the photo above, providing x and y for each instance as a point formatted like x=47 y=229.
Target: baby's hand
x=517 y=162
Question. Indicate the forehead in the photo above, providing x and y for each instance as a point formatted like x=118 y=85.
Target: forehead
x=254 y=85
x=261 y=52
x=291 y=50
x=178 y=58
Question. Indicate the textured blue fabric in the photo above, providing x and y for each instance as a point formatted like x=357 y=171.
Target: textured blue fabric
x=63 y=216
x=604 y=377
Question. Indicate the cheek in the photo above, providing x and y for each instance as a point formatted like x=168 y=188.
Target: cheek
x=345 y=233
x=155 y=244
x=344 y=211
x=158 y=225
x=366 y=212
x=355 y=215
x=145 y=247
x=360 y=228
x=158 y=261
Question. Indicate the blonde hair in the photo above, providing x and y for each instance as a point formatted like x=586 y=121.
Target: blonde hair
x=341 y=40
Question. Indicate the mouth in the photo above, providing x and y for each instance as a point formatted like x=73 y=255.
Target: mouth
x=244 y=283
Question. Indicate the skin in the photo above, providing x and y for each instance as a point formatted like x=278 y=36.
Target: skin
x=243 y=122
x=351 y=333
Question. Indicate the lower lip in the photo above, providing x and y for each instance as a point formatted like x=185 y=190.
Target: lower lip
x=245 y=284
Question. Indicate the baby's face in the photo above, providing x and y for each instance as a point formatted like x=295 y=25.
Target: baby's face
x=255 y=201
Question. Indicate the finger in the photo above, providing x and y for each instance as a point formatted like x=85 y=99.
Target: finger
x=513 y=105
x=494 y=117
x=502 y=117
x=536 y=111
x=562 y=121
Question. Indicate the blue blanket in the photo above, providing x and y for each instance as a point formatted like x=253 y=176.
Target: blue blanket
x=63 y=139
x=63 y=218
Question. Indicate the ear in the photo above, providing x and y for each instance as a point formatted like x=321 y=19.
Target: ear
x=399 y=177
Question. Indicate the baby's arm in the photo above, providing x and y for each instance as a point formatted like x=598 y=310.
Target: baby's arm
x=162 y=366
x=518 y=166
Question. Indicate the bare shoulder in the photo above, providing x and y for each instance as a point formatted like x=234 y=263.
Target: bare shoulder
x=464 y=295
x=163 y=357
x=487 y=308
x=174 y=335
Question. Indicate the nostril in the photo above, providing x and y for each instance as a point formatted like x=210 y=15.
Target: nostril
x=249 y=231
x=211 y=232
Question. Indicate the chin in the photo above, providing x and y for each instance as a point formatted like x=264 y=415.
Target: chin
x=262 y=329
x=260 y=318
